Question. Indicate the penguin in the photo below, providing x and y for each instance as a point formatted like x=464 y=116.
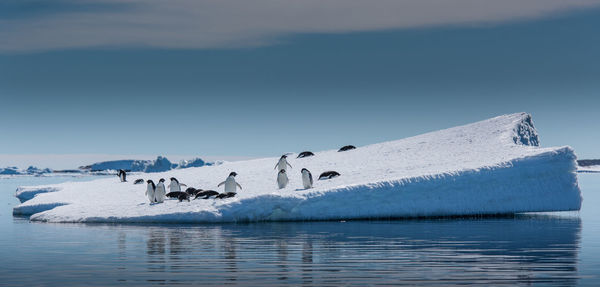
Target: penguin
x=305 y=154
x=174 y=185
x=226 y=195
x=174 y=194
x=282 y=163
x=138 y=181
x=282 y=179
x=206 y=194
x=150 y=190
x=307 y=180
x=192 y=191
x=230 y=183
x=122 y=175
x=346 y=147
x=183 y=196
x=159 y=195
x=328 y=175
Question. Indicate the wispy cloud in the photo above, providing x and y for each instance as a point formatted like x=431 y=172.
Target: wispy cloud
x=232 y=24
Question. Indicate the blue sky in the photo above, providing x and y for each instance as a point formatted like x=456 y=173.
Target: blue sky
x=264 y=87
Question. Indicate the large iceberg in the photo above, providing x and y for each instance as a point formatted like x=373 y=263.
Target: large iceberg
x=126 y=164
x=133 y=165
x=489 y=167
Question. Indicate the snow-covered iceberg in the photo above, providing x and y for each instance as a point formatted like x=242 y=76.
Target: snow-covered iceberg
x=489 y=167
x=31 y=170
x=588 y=165
x=134 y=165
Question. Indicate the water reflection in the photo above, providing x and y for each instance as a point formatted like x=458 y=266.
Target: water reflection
x=525 y=249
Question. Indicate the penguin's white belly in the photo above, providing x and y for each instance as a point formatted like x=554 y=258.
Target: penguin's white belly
x=282 y=180
x=174 y=187
x=150 y=193
x=306 y=180
x=282 y=164
x=230 y=185
x=159 y=195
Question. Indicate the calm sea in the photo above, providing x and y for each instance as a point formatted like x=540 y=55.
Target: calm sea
x=555 y=249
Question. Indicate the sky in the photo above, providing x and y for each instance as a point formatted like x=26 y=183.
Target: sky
x=92 y=79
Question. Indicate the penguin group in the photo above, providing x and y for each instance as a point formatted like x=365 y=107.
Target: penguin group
x=282 y=164
x=307 y=178
x=156 y=193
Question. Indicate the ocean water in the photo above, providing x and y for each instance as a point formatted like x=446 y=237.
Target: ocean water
x=551 y=249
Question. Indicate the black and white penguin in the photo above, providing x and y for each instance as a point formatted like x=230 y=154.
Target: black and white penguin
x=183 y=196
x=150 y=190
x=192 y=191
x=328 y=175
x=122 y=175
x=206 y=194
x=226 y=195
x=138 y=181
x=282 y=179
x=346 y=147
x=161 y=191
x=305 y=154
x=174 y=194
x=230 y=183
x=282 y=163
x=174 y=185
x=307 y=180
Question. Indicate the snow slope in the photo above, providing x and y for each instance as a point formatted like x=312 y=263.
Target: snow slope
x=489 y=167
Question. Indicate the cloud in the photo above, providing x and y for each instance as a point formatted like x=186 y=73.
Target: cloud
x=198 y=24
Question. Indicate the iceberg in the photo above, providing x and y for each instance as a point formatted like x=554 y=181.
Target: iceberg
x=196 y=162
x=490 y=167
x=11 y=170
x=132 y=165
x=588 y=165
x=31 y=170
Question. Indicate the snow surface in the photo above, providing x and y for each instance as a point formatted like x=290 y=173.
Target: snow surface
x=489 y=167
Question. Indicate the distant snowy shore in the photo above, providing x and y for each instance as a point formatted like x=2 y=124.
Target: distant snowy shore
x=108 y=167
x=489 y=167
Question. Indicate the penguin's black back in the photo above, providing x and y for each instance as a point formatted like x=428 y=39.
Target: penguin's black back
x=183 y=196
x=175 y=194
x=328 y=175
x=226 y=195
x=206 y=194
x=346 y=147
x=305 y=154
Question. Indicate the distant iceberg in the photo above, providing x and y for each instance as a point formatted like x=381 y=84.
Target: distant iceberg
x=490 y=167
x=196 y=162
x=588 y=165
x=10 y=170
x=159 y=165
x=35 y=170
x=125 y=164
x=32 y=170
